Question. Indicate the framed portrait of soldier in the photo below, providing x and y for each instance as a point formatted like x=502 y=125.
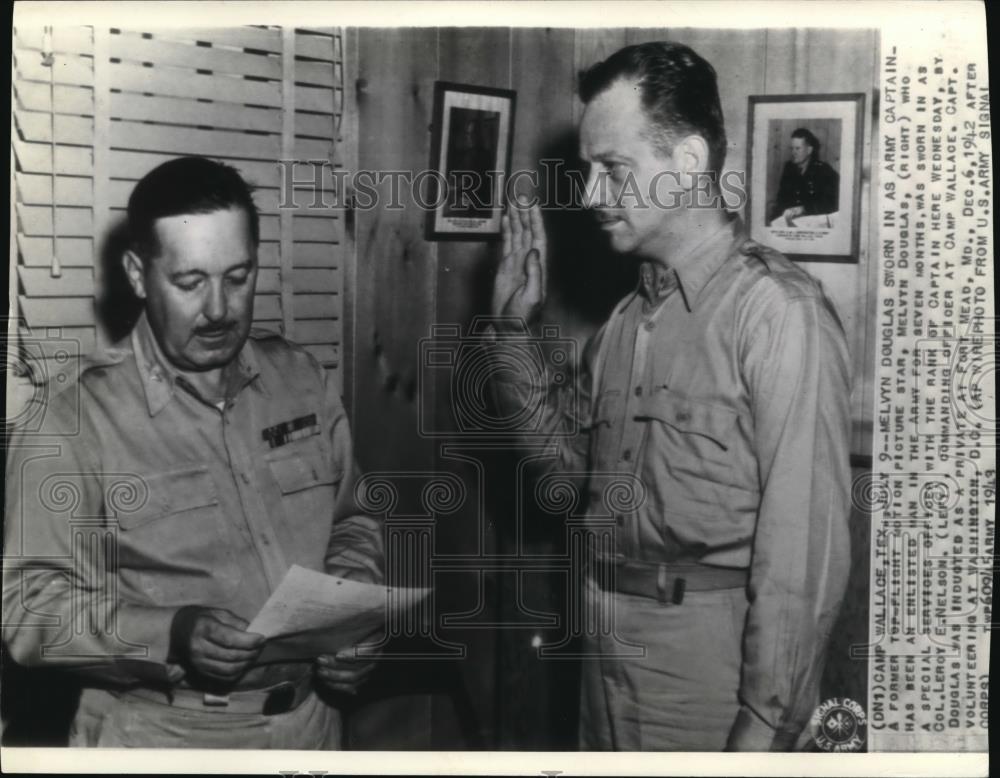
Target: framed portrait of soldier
x=472 y=135
x=804 y=174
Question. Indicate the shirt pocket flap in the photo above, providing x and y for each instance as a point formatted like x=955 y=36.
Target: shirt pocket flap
x=303 y=471
x=696 y=417
x=172 y=492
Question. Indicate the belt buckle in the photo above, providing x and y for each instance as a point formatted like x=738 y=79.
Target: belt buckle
x=215 y=700
x=677 y=593
x=279 y=700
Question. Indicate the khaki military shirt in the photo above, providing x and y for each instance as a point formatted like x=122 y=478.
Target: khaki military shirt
x=728 y=398
x=138 y=497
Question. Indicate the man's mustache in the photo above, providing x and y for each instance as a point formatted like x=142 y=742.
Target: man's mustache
x=215 y=329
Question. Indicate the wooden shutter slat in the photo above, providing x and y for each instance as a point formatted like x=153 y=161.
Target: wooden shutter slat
x=268 y=280
x=308 y=98
x=230 y=89
x=73 y=282
x=316 y=306
x=70 y=222
x=57 y=312
x=70 y=130
x=73 y=252
x=316 y=280
x=65 y=40
x=133 y=165
x=315 y=255
x=37 y=158
x=267 y=255
x=327 y=354
x=237 y=37
x=317 y=73
x=317 y=331
x=67 y=69
x=185 y=140
x=267 y=307
x=35 y=96
x=36 y=189
x=176 y=110
x=314 y=46
x=318 y=125
x=132 y=47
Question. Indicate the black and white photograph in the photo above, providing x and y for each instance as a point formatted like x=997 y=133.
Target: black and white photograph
x=804 y=165
x=429 y=388
x=471 y=147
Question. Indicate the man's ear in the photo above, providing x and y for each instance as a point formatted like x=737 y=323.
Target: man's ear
x=135 y=271
x=690 y=157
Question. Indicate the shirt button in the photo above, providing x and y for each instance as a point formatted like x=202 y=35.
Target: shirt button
x=245 y=477
x=682 y=416
x=650 y=326
x=638 y=391
x=627 y=455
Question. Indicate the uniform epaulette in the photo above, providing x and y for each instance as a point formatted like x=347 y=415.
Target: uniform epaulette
x=106 y=357
x=769 y=256
x=259 y=333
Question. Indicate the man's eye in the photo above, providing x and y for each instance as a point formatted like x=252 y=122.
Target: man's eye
x=238 y=280
x=188 y=286
x=618 y=170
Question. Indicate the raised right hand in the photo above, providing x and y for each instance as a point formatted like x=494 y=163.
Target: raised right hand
x=519 y=287
x=214 y=642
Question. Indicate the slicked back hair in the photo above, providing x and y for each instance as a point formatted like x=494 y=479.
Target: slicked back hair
x=810 y=139
x=677 y=88
x=185 y=185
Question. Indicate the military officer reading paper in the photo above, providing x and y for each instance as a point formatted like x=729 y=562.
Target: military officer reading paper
x=207 y=458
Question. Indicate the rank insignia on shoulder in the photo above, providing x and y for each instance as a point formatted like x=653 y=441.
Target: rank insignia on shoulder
x=287 y=431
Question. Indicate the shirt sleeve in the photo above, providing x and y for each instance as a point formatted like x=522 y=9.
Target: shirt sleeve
x=548 y=402
x=356 y=548
x=796 y=368
x=61 y=605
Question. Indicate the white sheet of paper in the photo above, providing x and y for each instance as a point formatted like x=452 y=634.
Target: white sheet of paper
x=311 y=613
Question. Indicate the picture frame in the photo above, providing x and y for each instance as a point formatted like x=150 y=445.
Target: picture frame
x=472 y=136
x=804 y=162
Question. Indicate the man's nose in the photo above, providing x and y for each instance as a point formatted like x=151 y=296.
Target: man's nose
x=216 y=306
x=595 y=193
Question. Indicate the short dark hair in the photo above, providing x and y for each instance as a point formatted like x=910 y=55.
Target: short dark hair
x=809 y=138
x=678 y=90
x=181 y=186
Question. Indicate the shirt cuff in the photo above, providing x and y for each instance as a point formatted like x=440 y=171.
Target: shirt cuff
x=751 y=733
x=147 y=627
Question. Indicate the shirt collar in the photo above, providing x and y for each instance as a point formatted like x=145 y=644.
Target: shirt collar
x=701 y=262
x=159 y=377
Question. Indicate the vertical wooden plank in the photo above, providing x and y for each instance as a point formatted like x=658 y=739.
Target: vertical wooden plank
x=534 y=702
x=542 y=74
x=287 y=238
x=479 y=56
x=102 y=167
x=395 y=283
x=346 y=150
x=779 y=61
x=591 y=46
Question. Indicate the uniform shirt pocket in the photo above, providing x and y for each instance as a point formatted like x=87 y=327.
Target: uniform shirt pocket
x=177 y=548
x=308 y=485
x=689 y=451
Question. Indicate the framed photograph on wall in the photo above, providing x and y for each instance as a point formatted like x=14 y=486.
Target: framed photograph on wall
x=472 y=134
x=804 y=174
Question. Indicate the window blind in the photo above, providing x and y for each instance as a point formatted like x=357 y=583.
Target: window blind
x=97 y=108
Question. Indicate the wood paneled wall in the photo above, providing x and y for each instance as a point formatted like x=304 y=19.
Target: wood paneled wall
x=405 y=284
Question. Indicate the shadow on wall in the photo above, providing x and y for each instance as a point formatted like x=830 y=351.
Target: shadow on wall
x=118 y=308
x=585 y=278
